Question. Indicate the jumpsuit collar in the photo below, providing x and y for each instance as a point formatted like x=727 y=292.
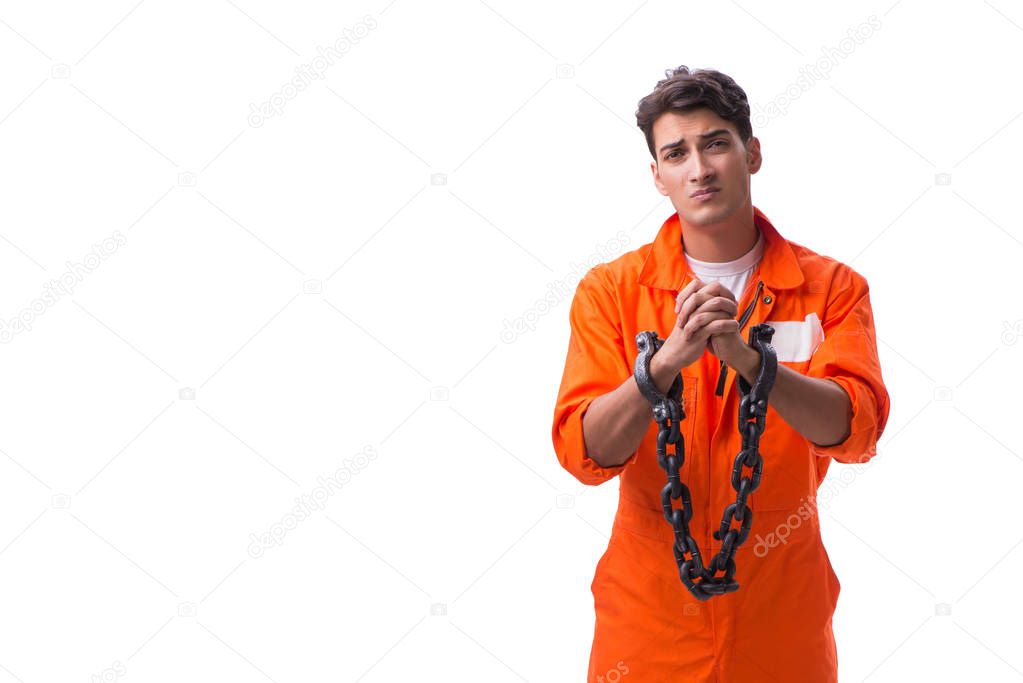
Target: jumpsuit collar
x=665 y=266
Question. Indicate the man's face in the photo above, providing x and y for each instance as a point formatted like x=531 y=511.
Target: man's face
x=699 y=150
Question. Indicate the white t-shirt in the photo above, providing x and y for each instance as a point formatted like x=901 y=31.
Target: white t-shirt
x=732 y=274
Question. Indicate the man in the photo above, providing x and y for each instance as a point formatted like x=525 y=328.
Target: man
x=716 y=268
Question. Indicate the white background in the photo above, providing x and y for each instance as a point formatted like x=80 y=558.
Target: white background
x=334 y=281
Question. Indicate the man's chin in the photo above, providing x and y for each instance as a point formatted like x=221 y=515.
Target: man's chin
x=703 y=215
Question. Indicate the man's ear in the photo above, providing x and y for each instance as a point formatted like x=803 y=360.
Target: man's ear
x=657 y=179
x=754 y=159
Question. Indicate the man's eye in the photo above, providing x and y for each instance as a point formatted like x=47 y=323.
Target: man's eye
x=716 y=142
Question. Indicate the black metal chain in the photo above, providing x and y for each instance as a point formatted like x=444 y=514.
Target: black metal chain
x=701 y=580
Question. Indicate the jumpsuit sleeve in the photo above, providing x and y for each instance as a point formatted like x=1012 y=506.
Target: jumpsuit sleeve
x=595 y=365
x=848 y=357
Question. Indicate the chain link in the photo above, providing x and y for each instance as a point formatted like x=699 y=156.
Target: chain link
x=702 y=580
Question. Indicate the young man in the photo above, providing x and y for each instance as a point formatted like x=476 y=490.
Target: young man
x=716 y=268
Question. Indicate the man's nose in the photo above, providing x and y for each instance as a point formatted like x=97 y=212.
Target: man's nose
x=700 y=172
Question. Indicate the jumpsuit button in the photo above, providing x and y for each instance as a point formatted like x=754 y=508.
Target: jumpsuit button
x=767 y=299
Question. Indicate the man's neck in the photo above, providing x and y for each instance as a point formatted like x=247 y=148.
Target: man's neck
x=720 y=242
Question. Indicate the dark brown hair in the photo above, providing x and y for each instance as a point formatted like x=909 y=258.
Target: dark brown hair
x=682 y=91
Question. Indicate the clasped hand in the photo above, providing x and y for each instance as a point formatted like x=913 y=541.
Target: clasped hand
x=706 y=319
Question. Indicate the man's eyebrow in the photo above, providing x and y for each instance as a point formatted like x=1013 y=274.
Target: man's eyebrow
x=678 y=143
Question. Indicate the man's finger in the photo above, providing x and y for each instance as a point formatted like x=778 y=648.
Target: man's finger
x=704 y=292
x=717 y=289
x=688 y=298
x=694 y=285
x=719 y=303
x=695 y=301
x=693 y=326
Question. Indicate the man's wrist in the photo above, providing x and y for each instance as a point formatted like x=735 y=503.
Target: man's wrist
x=662 y=372
x=748 y=362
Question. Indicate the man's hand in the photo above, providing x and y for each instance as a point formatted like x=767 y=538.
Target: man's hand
x=690 y=336
x=726 y=343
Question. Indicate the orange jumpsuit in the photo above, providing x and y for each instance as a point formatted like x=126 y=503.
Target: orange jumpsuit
x=777 y=626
